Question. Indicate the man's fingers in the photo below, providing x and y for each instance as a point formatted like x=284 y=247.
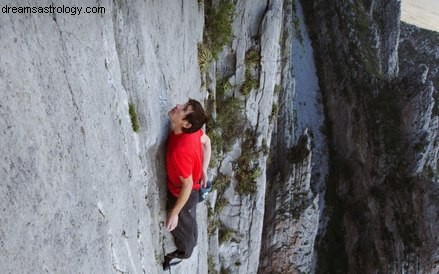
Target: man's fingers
x=171 y=224
x=170 y=227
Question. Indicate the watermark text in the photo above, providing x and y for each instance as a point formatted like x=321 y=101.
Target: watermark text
x=72 y=10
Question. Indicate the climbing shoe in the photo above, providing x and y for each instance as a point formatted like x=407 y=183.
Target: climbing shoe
x=167 y=262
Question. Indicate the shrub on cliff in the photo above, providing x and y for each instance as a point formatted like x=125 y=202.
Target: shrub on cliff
x=218 y=25
x=134 y=119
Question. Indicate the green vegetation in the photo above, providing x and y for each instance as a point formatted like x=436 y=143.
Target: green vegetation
x=221 y=182
x=212 y=224
x=225 y=234
x=210 y=265
x=134 y=118
x=252 y=57
x=246 y=166
x=218 y=25
x=277 y=89
x=217 y=31
x=249 y=83
x=252 y=65
x=205 y=57
x=221 y=202
x=227 y=126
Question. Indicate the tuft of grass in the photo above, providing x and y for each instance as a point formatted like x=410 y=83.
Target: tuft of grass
x=221 y=182
x=205 y=57
x=134 y=119
x=252 y=57
x=249 y=83
x=220 y=204
x=225 y=234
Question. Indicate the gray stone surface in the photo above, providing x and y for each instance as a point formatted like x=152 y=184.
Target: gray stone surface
x=419 y=62
x=257 y=25
x=81 y=192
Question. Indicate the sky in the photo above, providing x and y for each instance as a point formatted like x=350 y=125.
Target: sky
x=422 y=13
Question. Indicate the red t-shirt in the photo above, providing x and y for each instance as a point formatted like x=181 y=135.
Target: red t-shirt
x=184 y=157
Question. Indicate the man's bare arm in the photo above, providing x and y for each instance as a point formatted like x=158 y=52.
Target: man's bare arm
x=207 y=152
x=179 y=204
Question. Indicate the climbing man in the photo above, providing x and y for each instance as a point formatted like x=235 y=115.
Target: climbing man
x=187 y=158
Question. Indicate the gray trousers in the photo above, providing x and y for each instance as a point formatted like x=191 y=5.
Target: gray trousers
x=186 y=232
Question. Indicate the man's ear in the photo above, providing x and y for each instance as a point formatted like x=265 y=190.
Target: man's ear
x=186 y=124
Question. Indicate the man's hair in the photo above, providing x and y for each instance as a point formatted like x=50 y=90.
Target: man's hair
x=196 y=118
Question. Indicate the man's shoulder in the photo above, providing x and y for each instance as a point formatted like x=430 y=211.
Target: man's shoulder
x=192 y=137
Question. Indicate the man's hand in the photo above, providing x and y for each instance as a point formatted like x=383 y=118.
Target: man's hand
x=172 y=221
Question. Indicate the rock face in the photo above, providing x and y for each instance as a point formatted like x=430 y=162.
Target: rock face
x=257 y=28
x=419 y=62
x=81 y=192
x=298 y=158
x=383 y=152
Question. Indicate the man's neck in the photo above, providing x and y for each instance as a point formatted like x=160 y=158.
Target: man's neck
x=176 y=130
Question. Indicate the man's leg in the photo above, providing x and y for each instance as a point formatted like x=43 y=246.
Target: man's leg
x=186 y=232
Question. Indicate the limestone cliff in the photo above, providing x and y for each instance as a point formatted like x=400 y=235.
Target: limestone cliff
x=84 y=125
x=80 y=190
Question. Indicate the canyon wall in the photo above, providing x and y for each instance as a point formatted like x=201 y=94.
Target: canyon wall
x=382 y=184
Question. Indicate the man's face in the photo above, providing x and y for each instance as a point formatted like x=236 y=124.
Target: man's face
x=178 y=113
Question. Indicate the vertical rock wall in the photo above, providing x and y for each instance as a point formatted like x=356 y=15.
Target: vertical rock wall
x=298 y=162
x=419 y=62
x=256 y=25
x=80 y=191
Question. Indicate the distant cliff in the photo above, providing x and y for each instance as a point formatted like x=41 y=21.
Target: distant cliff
x=382 y=190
